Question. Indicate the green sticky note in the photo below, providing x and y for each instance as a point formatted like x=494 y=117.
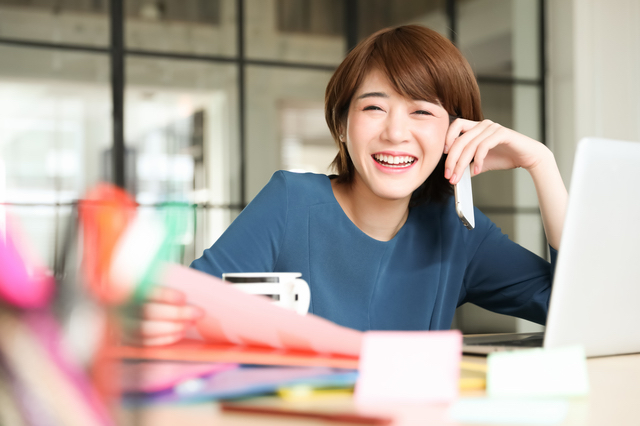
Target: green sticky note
x=538 y=373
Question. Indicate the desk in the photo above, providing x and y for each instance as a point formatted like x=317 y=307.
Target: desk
x=614 y=399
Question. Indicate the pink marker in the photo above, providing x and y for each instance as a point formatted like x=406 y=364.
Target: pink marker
x=21 y=284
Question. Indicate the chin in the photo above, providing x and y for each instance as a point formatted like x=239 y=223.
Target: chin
x=393 y=194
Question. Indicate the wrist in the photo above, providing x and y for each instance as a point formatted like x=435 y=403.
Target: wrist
x=545 y=160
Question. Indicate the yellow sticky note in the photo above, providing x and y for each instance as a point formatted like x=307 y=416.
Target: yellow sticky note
x=538 y=373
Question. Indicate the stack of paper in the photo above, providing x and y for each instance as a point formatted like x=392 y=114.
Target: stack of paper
x=166 y=381
x=245 y=328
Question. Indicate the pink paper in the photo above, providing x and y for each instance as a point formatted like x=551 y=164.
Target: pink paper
x=409 y=366
x=246 y=319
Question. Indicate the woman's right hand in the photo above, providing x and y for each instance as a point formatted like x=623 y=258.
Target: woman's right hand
x=161 y=320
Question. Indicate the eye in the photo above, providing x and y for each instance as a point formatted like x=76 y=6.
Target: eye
x=422 y=112
x=372 y=108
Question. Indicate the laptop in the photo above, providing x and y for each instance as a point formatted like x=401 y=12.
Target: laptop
x=595 y=298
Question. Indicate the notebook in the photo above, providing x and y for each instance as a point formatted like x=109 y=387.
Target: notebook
x=595 y=299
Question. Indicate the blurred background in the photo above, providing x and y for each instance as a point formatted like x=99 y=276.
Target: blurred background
x=200 y=101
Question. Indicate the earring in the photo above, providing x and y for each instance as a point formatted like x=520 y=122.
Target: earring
x=341 y=138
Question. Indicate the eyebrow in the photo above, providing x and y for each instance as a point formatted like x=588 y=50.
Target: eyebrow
x=384 y=95
x=373 y=95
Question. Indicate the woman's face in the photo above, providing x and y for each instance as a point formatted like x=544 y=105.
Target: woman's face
x=394 y=142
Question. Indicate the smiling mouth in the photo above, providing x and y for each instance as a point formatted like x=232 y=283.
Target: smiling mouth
x=393 y=161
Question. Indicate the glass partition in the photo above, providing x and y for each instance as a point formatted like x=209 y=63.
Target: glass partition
x=501 y=37
x=374 y=15
x=191 y=27
x=55 y=121
x=83 y=22
x=284 y=123
x=181 y=120
x=300 y=31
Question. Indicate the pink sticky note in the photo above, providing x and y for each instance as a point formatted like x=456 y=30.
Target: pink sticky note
x=409 y=366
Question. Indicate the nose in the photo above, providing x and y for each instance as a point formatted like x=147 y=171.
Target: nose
x=396 y=128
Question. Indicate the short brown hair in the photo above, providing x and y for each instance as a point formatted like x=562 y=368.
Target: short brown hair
x=420 y=64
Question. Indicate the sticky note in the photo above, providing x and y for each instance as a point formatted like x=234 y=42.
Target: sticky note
x=409 y=366
x=538 y=373
x=509 y=411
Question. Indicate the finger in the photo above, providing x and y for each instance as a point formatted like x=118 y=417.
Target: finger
x=470 y=130
x=481 y=153
x=160 y=328
x=163 y=311
x=461 y=127
x=486 y=137
x=454 y=131
x=154 y=341
x=167 y=295
x=146 y=328
x=164 y=340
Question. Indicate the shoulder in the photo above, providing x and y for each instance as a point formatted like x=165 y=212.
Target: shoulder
x=306 y=180
x=303 y=189
x=287 y=190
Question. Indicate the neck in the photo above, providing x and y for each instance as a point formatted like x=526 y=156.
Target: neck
x=379 y=218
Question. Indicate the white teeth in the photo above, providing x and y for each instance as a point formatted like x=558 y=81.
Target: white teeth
x=395 y=161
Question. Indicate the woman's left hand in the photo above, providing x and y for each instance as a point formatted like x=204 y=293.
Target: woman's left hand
x=488 y=146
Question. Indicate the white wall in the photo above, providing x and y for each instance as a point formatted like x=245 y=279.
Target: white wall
x=593 y=73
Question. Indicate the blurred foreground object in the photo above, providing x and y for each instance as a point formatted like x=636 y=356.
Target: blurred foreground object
x=45 y=386
x=105 y=214
x=44 y=380
x=122 y=247
x=24 y=281
x=40 y=384
x=149 y=241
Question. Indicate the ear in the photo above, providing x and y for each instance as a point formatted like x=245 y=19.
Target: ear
x=342 y=134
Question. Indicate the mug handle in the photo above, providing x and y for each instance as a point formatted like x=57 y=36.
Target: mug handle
x=301 y=288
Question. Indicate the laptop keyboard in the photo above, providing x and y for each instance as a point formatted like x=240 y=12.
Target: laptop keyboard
x=529 y=342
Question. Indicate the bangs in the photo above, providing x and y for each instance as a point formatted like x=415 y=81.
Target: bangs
x=423 y=65
x=407 y=74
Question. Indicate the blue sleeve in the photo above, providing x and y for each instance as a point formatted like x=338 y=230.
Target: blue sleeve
x=252 y=242
x=504 y=277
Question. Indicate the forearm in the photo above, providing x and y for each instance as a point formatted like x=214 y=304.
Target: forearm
x=552 y=196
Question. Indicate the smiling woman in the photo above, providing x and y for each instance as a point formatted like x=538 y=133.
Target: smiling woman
x=380 y=243
x=384 y=129
x=416 y=64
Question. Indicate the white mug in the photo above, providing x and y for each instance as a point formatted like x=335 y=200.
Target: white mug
x=286 y=289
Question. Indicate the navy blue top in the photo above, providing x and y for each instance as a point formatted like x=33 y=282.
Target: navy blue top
x=415 y=281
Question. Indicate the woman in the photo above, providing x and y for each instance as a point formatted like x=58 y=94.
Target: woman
x=380 y=243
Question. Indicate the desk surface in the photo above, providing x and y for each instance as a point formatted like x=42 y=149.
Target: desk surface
x=613 y=400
